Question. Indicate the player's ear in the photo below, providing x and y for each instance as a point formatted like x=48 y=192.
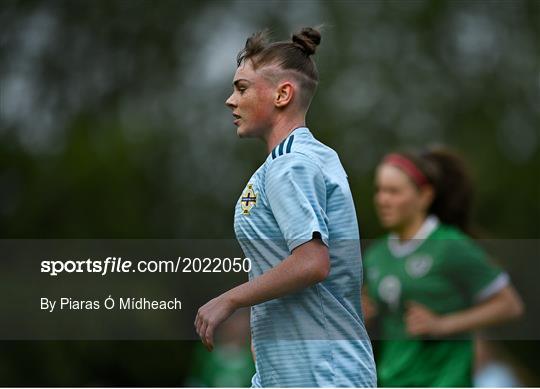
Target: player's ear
x=284 y=94
x=427 y=195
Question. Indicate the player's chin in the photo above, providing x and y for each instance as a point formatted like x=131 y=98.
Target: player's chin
x=388 y=222
x=243 y=132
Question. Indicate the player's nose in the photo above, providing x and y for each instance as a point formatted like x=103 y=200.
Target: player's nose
x=381 y=200
x=230 y=102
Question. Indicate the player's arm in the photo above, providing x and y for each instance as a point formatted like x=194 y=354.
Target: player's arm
x=503 y=306
x=307 y=265
x=369 y=307
x=483 y=282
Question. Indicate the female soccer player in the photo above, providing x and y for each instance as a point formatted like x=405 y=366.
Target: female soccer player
x=428 y=282
x=296 y=220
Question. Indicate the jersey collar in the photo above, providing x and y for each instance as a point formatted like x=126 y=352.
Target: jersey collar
x=399 y=249
x=297 y=131
x=300 y=130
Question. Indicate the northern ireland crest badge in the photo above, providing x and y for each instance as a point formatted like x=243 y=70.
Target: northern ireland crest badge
x=248 y=200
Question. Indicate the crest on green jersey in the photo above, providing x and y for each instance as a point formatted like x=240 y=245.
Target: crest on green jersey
x=390 y=291
x=418 y=265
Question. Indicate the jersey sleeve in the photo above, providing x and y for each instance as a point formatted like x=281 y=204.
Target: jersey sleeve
x=296 y=192
x=472 y=269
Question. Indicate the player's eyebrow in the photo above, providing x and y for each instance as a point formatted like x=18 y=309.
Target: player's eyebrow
x=236 y=82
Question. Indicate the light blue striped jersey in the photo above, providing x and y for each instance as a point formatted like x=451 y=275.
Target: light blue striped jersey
x=315 y=337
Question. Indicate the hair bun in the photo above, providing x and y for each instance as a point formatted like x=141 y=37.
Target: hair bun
x=307 y=40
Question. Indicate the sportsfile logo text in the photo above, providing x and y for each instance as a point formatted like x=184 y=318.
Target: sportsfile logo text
x=119 y=265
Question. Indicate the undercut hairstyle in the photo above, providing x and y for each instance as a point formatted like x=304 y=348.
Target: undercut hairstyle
x=294 y=56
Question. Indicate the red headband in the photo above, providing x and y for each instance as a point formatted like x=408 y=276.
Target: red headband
x=408 y=167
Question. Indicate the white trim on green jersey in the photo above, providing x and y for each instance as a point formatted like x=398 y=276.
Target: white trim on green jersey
x=402 y=249
x=495 y=286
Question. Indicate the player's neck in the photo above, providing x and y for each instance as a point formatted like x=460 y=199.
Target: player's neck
x=408 y=231
x=281 y=130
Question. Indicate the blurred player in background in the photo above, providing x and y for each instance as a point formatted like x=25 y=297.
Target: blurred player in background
x=428 y=282
x=296 y=221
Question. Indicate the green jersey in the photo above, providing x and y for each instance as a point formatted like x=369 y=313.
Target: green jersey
x=444 y=270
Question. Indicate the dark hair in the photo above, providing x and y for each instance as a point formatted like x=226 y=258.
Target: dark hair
x=294 y=55
x=447 y=172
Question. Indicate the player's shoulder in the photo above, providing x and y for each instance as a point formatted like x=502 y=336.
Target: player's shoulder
x=290 y=153
x=302 y=148
x=454 y=239
x=292 y=165
x=284 y=148
x=449 y=232
x=298 y=142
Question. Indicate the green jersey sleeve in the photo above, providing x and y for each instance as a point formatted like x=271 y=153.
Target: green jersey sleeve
x=471 y=269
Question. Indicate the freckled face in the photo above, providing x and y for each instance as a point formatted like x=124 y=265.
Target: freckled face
x=397 y=199
x=252 y=102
